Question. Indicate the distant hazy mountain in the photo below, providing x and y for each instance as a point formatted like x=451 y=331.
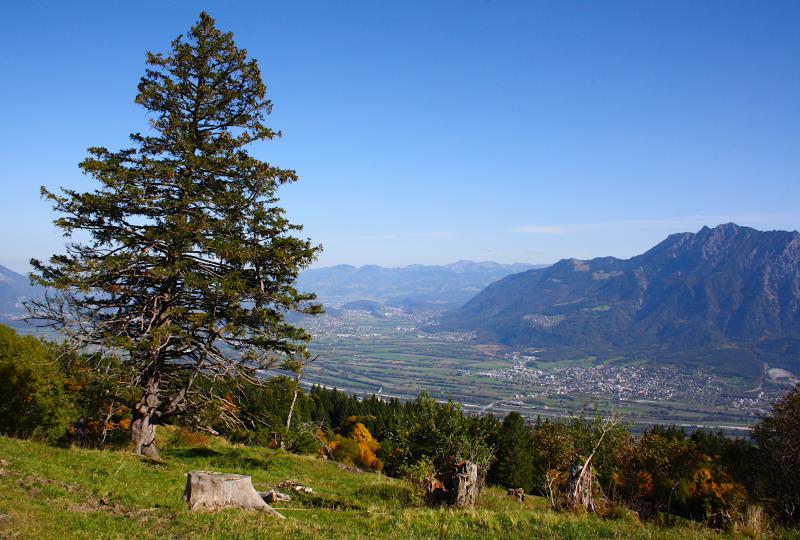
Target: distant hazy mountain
x=14 y=289
x=416 y=286
x=729 y=296
x=412 y=287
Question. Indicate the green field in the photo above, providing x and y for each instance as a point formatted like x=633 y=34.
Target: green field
x=393 y=357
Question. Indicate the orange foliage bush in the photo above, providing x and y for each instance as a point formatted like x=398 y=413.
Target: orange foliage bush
x=358 y=449
x=645 y=482
x=714 y=490
x=367 y=446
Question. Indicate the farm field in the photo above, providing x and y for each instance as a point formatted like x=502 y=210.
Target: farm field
x=394 y=356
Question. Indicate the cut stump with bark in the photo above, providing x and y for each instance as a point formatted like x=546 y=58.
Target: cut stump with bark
x=213 y=490
x=463 y=484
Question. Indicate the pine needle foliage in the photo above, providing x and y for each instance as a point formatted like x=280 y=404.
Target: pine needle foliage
x=190 y=264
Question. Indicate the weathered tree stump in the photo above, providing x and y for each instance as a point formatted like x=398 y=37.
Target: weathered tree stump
x=464 y=491
x=213 y=490
x=581 y=485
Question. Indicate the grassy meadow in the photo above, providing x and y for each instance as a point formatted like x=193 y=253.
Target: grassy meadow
x=48 y=492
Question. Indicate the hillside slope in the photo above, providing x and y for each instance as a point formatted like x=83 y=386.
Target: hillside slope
x=50 y=493
x=729 y=296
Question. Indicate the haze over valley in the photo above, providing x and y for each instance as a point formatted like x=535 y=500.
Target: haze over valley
x=702 y=329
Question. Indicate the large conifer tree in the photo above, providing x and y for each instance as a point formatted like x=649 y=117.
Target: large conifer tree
x=189 y=266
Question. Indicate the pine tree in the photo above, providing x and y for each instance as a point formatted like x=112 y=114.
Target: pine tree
x=190 y=265
x=514 y=465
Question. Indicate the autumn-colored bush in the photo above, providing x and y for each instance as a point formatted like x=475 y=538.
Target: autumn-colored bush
x=645 y=483
x=714 y=495
x=93 y=382
x=367 y=446
x=358 y=449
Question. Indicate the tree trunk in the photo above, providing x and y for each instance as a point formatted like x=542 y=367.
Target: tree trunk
x=143 y=435
x=143 y=427
x=294 y=400
x=213 y=490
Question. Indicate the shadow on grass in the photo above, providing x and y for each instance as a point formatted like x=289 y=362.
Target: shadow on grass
x=231 y=459
x=193 y=453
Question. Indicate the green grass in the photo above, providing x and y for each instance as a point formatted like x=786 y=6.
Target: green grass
x=58 y=493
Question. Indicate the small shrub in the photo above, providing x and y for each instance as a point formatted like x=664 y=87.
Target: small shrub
x=358 y=449
x=344 y=450
x=367 y=447
x=421 y=475
x=302 y=440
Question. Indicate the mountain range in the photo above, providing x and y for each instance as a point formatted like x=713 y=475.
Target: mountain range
x=414 y=287
x=14 y=290
x=728 y=296
x=411 y=287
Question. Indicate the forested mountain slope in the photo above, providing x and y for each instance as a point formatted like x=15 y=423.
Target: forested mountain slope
x=729 y=296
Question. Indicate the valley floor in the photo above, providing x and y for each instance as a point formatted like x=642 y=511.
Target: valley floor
x=393 y=356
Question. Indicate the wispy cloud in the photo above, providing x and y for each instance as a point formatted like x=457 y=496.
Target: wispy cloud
x=686 y=221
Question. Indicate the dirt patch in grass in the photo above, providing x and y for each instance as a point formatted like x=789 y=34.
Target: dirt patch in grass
x=99 y=505
x=33 y=484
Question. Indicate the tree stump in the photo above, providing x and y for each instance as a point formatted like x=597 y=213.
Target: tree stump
x=581 y=485
x=464 y=491
x=517 y=493
x=215 y=490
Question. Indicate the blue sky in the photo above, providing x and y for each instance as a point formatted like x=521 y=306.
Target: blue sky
x=427 y=132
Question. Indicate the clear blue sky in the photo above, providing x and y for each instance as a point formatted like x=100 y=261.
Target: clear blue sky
x=426 y=132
